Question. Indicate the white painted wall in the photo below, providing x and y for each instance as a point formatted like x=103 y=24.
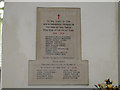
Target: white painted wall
x=99 y=41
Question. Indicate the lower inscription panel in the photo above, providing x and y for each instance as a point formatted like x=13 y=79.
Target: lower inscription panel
x=58 y=72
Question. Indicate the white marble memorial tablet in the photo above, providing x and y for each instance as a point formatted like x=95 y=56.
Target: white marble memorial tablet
x=58 y=48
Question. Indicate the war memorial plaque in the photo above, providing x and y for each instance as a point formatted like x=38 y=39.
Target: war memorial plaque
x=58 y=49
